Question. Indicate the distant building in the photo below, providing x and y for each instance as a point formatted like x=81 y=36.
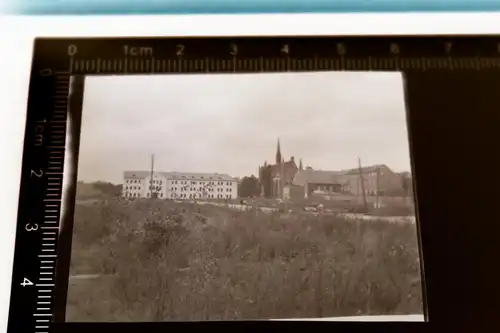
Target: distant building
x=306 y=182
x=135 y=184
x=377 y=179
x=407 y=179
x=273 y=178
x=373 y=180
x=179 y=185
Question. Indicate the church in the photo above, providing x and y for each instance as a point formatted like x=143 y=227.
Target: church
x=274 y=177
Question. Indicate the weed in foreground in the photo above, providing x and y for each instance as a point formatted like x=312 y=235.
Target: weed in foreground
x=161 y=260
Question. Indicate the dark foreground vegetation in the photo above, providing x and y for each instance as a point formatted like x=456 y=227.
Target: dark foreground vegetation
x=161 y=260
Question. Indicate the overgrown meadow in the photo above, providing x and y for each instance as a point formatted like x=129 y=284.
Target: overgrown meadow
x=159 y=260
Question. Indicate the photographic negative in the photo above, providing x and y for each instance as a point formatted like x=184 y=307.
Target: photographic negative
x=244 y=196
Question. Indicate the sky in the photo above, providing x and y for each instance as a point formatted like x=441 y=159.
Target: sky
x=230 y=123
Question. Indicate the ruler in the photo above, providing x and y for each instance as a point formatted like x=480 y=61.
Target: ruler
x=199 y=55
x=55 y=61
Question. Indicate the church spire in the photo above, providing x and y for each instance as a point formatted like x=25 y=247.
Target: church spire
x=278 y=153
x=300 y=165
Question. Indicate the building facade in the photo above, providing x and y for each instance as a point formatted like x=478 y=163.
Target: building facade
x=372 y=180
x=179 y=185
x=309 y=182
x=143 y=184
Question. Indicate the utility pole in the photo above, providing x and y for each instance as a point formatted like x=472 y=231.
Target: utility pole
x=362 y=185
x=357 y=189
x=331 y=188
x=151 y=176
x=378 y=188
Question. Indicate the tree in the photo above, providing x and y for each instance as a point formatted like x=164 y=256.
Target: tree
x=249 y=187
x=266 y=180
x=107 y=189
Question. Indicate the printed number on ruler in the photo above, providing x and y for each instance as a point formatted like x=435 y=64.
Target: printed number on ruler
x=26 y=282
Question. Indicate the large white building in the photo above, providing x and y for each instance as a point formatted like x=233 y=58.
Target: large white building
x=179 y=185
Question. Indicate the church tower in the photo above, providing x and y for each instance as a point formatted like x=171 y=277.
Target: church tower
x=278 y=153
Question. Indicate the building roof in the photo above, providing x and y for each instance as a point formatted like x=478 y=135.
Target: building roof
x=136 y=174
x=330 y=177
x=405 y=174
x=316 y=176
x=199 y=176
x=371 y=168
x=179 y=175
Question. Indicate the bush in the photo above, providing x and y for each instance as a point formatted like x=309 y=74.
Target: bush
x=168 y=261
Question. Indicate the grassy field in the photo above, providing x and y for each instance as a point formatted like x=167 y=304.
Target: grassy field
x=392 y=206
x=160 y=260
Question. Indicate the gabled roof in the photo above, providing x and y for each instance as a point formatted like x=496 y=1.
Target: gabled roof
x=316 y=176
x=371 y=168
x=329 y=177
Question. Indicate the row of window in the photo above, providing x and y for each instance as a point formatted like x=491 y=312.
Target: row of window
x=182 y=195
x=157 y=188
x=137 y=194
x=199 y=196
x=136 y=181
x=197 y=177
x=139 y=181
x=182 y=189
x=342 y=188
x=334 y=187
x=183 y=182
x=374 y=173
x=199 y=189
x=160 y=182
